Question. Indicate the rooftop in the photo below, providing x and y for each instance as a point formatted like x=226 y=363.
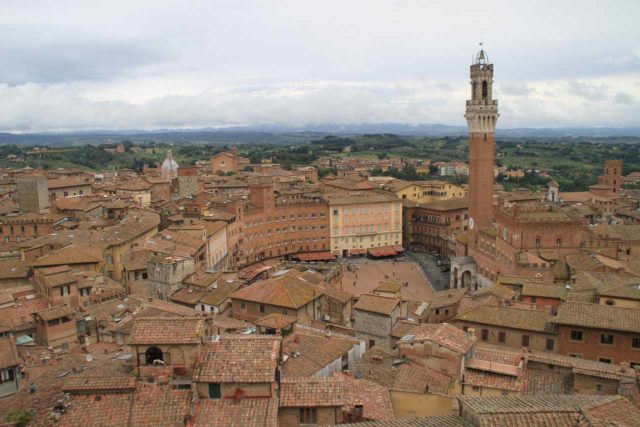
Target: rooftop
x=598 y=316
x=509 y=317
x=337 y=391
x=377 y=304
x=239 y=359
x=290 y=290
x=167 y=330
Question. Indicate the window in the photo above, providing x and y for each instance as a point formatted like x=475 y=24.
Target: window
x=485 y=89
x=152 y=354
x=558 y=242
x=635 y=342
x=550 y=344
x=606 y=339
x=7 y=375
x=604 y=360
x=262 y=309
x=576 y=335
x=285 y=312
x=537 y=241
x=502 y=337
x=214 y=391
x=335 y=211
x=437 y=311
x=609 y=302
x=575 y=356
x=484 y=334
x=475 y=388
x=243 y=305
x=598 y=387
x=308 y=416
x=525 y=340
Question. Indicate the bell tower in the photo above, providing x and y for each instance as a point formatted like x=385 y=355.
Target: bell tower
x=482 y=115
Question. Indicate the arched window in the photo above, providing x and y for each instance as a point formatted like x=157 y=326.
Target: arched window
x=485 y=88
x=152 y=354
x=474 y=92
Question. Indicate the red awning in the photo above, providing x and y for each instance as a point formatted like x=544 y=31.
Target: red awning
x=357 y=251
x=315 y=256
x=382 y=252
x=398 y=248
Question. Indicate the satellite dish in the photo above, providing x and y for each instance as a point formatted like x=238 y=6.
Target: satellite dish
x=89 y=358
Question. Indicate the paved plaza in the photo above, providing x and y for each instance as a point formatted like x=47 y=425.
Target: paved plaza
x=369 y=274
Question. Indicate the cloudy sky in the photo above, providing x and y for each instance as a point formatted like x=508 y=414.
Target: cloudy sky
x=70 y=65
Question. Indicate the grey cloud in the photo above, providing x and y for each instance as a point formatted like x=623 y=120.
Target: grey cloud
x=590 y=91
x=42 y=56
x=515 y=88
x=623 y=98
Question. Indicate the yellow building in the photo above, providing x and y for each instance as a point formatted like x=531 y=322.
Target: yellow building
x=423 y=191
x=363 y=220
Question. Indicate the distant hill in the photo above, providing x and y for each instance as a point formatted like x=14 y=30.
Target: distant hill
x=289 y=135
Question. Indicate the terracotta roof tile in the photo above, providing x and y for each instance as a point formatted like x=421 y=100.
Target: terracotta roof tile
x=308 y=351
x=167 y=330
x=55 y=312
x=275 y=321
x=443 y=334
x=242 y=359
x=598 y=316
x=155 y=405
x=617 y=412
x=435 y=421
x=241 y=413
x=8 y=353
x=337 y=391
x=376 y=304
x=111 y=410
x=289 y=290
x=516 y=318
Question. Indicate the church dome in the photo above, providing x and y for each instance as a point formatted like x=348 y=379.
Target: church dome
x=169 y=166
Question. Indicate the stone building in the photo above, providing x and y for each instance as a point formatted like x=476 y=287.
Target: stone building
x=166 y=274
x=374 y=317
x=187 y=181
x=33 y=194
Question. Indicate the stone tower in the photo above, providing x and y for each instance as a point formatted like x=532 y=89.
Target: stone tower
x=482 y=115
x=33 y=193
x=612 y=176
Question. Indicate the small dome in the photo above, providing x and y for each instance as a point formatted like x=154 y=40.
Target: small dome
x=169 y=164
